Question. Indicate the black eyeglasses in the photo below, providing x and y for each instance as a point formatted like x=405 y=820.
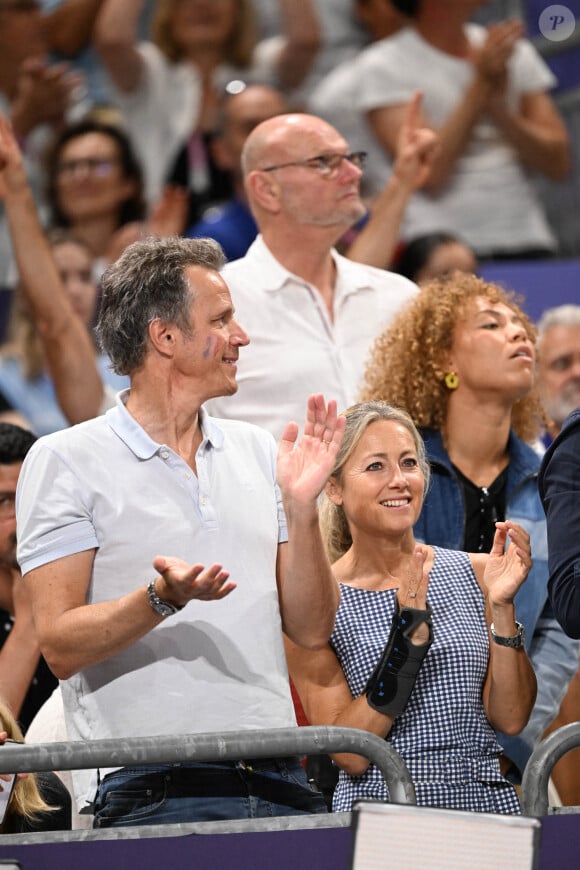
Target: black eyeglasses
x=327 y=165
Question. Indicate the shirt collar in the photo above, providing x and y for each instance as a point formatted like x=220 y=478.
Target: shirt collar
x=273 y=274
x=350 y=276
x=140 y=443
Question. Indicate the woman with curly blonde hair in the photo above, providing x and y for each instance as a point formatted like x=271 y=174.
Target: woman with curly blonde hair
x=460 y=360
x=407 y=363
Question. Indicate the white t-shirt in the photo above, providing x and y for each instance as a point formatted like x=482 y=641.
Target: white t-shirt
x=162 y=112
x=489 y=200
x=342 y=34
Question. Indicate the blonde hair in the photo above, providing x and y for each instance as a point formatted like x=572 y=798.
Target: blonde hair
x=23 y=341
x=240 y=45
x=333 y=522
x=406 y=362
x=25 y=800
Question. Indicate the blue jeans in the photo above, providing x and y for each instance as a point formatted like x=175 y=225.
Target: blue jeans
x=205 y=792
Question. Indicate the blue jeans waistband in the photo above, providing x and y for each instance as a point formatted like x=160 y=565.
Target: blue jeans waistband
x=273 y=780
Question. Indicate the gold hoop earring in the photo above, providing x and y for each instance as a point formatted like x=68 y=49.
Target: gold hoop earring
x=451 y=380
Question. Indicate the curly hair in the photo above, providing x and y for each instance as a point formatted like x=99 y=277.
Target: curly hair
x=333 y=523
x=406 y=361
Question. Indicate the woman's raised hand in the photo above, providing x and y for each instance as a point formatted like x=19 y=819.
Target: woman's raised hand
x=304 y=465
x=507 y=568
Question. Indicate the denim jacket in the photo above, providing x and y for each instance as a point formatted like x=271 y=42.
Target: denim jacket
x=554 y=656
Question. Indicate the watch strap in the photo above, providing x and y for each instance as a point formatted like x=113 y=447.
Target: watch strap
x=163 y=608
x=516 y=641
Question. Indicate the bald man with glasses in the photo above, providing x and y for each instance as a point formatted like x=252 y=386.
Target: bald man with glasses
x=311 y=314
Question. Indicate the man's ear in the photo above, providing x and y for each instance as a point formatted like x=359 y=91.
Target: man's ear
x=263 y=190
x=162 y=336
x=334 y=491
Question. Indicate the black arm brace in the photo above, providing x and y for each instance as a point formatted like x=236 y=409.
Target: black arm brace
x=391 y=683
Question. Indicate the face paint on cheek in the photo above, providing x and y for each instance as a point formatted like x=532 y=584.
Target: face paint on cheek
x=208 y=348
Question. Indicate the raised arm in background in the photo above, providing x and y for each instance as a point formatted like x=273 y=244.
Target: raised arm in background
x=302 y=40
x=416 y=149
x=69 y=26
x=69 y=350
x=115 y=38
x=535 y=130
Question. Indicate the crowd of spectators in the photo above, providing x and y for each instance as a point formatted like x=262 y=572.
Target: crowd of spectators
x=355 y=160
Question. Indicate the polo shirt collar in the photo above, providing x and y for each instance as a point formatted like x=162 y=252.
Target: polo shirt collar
x=139 y=442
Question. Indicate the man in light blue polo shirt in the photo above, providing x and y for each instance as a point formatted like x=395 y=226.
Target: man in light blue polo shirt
x=189 y=641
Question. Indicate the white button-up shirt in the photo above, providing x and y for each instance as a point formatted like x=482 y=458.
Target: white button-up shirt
x=295 y=347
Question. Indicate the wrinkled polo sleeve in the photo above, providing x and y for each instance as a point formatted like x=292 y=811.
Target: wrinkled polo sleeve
x=52 y=514
x=554 y=657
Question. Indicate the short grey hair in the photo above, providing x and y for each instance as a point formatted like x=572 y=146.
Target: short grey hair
x=561 y=315
x=148 y=282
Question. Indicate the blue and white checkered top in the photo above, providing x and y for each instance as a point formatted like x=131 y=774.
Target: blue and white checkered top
x=443 y=735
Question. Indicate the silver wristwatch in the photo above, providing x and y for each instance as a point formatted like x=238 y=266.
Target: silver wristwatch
x=163 y=608
x=515 y=642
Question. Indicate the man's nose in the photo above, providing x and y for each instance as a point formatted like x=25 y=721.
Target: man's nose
x=239 y=336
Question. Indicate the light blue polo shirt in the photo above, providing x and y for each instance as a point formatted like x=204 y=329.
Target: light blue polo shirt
x=106 y=485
